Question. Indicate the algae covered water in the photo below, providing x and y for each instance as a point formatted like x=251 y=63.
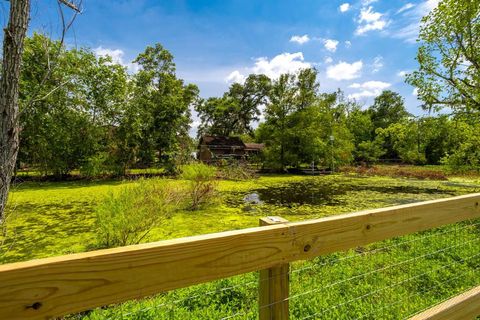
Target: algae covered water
x=55 y=218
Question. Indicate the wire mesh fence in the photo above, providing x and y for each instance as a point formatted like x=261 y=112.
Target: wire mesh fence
x=392 y=279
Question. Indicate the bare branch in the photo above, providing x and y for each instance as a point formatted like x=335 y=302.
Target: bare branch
x=66 y=25
x=70 y=5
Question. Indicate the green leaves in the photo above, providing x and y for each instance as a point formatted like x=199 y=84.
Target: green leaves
x=302 y=126
x=234 y=113
x=162 y=102
x=387 y=109
x=449 y=57
x=70 y=101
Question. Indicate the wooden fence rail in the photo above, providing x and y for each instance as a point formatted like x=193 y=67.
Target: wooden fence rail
x=465 y=306
x=46 y=288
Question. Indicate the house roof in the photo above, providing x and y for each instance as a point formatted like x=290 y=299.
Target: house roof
x=222 y=142
x=254 y=146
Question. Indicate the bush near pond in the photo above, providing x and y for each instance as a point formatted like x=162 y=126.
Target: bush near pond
x=201 y=183
x=127 y=217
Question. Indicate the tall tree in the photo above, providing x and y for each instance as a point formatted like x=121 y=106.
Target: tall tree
x=14 y=35
x=449 y=57
x=302 y=126
x=164 y=103
x=307 y=88
x=218 y=116
x=388 y=108
x=281 y=105
x=235 y=112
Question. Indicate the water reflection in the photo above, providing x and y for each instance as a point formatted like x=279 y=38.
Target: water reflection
x=321 y=192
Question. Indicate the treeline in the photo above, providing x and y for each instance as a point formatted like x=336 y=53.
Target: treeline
x=301 y=126
x=84 y=112
x=80 y=111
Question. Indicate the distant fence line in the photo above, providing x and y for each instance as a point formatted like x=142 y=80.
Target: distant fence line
x=52 y=287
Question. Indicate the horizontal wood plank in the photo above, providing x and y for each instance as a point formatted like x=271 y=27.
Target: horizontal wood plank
x=41 y=289
x=462 y=307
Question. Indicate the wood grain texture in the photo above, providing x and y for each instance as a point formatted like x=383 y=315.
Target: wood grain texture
x=273 y=285
x=41 y=289
x=462 y=307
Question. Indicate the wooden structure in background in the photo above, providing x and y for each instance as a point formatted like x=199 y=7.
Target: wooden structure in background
x=216 y=148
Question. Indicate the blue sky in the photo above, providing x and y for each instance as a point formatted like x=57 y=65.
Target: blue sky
x=360 y=46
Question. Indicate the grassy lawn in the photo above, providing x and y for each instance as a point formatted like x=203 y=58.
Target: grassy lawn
x=48 y=219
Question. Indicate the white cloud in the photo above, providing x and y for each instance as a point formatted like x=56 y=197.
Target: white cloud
x=348 y=44
x=415 y=92
x=344 y=7
x=280 y=64
x=407 y=28
x=345 y=70
x=371 y=85
x=235 y=77
x=330 y=45
x=300 y=39
x=368 y=15
x=402 y=73
x=406 y=7
x=368 y=89
x=367 y=2
x=273 y=68
x=370 y=20
x=328 y=60
x=429 y=5
x=362 y=94
x=377 y=64
x=117 y=56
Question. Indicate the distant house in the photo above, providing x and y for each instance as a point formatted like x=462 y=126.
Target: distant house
x=253 y=149
x=215 y=148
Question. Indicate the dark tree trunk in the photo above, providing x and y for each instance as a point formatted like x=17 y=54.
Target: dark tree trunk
x=14 y=36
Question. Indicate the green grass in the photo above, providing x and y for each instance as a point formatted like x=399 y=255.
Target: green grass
x=389 y=280
x=48 y=219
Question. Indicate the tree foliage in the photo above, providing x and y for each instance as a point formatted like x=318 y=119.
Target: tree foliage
x=449 y=57
x=388 y=108
x=79 y=103
x=302 y=126
x=93 y=116
x=235 y=112
x=163 y=102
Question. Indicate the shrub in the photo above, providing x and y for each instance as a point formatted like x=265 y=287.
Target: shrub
x=201 y=183
x=94 y=166
x=236 y=171
x=127 y=217
x=465 y=157
x=101 y=165
x=369 y=151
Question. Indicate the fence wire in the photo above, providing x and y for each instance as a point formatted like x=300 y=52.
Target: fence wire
x=392 y=279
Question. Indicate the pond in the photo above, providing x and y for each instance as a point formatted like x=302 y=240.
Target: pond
x=49 y=219
x=322 y=191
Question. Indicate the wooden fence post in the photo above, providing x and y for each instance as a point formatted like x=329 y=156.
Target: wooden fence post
x=273 y=286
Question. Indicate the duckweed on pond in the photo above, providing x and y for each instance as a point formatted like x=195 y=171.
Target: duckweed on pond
x=48 y=219
x=317 y=191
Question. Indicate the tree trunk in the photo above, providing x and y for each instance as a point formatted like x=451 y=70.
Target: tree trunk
x=9 y=86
